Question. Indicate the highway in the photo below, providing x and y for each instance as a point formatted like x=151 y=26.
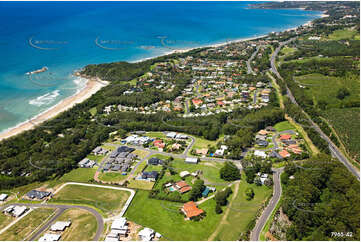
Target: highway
x=333 y=148
x=277 y=191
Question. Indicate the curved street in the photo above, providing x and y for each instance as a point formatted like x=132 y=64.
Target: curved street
x=249 y=68
x=262 y=220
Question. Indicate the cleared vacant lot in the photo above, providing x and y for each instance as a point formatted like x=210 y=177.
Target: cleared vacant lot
x=22 y=229
x=107 y=200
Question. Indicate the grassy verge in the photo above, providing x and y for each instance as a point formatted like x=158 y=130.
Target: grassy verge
x=267 y=226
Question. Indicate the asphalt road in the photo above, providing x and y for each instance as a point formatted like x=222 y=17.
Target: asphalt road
x=277 y=191
x=249 y=68
x=62 y=208
x=333 y=148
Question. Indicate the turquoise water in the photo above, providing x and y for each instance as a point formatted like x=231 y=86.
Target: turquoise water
x=65 y=36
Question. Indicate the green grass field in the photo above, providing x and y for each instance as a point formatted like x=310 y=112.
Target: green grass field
x=344 y=34
x=159 y=135
x=242 y=211
x=139 y=184
x=83 y=225
x=141 y=153
x=282 y=126
x=112 y=176
x=165 y=218
x=346 y=122
x=153 y=168
x=76 y=175
x=318 y=88
x=106 y=200
x=93 y=111
x=22 y=229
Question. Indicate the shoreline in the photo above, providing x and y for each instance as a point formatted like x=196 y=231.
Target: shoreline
x=92 y=86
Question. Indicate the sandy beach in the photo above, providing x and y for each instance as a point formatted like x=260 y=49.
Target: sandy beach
x=92 y=86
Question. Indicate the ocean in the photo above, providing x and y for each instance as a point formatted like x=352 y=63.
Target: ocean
x=66 y=36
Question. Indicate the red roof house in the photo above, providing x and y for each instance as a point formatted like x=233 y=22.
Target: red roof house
x=284 y=154
x=285 y=137
x=191 y=210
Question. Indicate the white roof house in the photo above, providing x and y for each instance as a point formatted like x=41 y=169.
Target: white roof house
x=60 y=225
x=50 y=237
x=184 y=173
x=146 y=234
x=9 y=209
x=3 y=197
x=109 y=238
x=171 y=135
x=260 y=153
x=119 y=224
x=191 y=160
x=19 y=210
x=219 y=152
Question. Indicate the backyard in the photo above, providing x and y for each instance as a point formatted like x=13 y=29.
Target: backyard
x=165 y=218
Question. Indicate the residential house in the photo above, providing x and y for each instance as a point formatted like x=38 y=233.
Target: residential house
x=191 y=160
x=260 y=153
x=284 y=154
x=202 y=152
x=150 y=175
x=35 y=194
x=263 y=143
x=182 y=187
x=60 y=225
x=171 y=135
x=155 y=161
x=284 y=137
x=86 y=163
x=191 y=210
x=183 y=174
x=119 y=226
x=49 y=237
x=146 y=234
x=3 y=197
x=159 y=143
